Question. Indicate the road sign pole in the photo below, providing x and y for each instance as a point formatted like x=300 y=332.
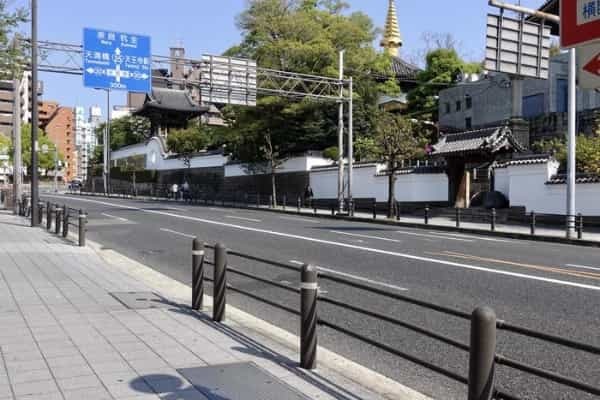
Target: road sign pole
x=34 y=115
x=341 y=138
x=350 y=145
x=107 y=144
x=571 y=157
x=17 y=157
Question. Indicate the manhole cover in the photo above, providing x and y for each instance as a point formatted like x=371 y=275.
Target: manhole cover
x=240 y=381
x=141 y=300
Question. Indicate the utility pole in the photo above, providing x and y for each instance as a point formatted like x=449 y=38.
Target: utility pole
x=17 y=159
x=34 y=116
x=106 y=140
x=350 y=143
x=341 y=138
x=571 y=141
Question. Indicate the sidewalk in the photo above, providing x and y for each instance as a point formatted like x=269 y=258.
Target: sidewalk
x=66 y=336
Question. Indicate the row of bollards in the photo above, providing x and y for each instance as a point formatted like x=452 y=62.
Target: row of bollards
x=483 y=320
x=61 y=218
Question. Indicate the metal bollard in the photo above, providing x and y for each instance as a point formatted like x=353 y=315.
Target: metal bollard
x=40 y=212
x=533 y=218
x=493 y=220
x=284 y=201
x=397 y=211
x=48 y=215
x=57 y=211
x=197 y=274
x=426 y=215
x=308 y=317
x=457 y=217
x=257 y=200
x=220 y=283
x=351 y=207
x=482 y=353
x=332 y=211
x=579 y=226
x=82 y=228
x=374 y=209
x=299 y=204
x=65 y=229
x=271 y=201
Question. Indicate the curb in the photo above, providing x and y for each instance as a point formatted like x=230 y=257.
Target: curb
x=384 y=221
x=170 y=288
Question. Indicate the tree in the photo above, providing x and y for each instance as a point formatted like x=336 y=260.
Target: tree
x=125 y=131
x=12 y=55
x=186 y=142
x=443 y=66
x=587 y=152
x=397 y=138
x=331 y=153
x=45 y=160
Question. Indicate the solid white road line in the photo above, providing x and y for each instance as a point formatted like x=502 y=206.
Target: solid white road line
x=462 y=235
x=367 y=236
x=112 y=216
x=583 y=266
x=301 y=219
x=434 y=236
x=243 y=219
x=349 y=246
x=178 y=233
x=355 y=277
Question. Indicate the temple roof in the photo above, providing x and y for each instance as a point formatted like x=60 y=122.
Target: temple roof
x=483 y=141
x=170 y=100
x=403 y=69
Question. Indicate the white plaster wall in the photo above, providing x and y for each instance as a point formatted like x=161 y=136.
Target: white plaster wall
x=294 y=164
x=502 y=181
x=420 y=187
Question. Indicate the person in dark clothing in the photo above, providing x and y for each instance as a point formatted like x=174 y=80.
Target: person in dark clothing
x=308 y=195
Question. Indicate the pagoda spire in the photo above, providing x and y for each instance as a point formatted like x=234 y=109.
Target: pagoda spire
x=392 y=40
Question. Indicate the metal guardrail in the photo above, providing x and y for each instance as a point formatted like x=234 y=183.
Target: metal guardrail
x=484 y=325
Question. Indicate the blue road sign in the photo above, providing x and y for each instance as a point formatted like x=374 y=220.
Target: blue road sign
x=116 y=60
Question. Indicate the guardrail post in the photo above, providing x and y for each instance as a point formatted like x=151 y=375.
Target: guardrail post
x=299 y=204
x=426 y=215
x=533 y=218
x=579 y=226
x=57 y=220
x=65 y=229
x=374 y=209
x=493 y=220
x=482 y=353
x=197 y=274
x=48 y=215
x=220 y=283
x=457 y=217
x=308 y=317
x=82 y=228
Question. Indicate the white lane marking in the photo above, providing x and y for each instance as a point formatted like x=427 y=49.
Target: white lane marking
x=434 y=236
x=349 y=246
x=583 y=266
x=243 y=219
x=115 y=217
x=178 y=233
x=355 y=277
x=462 y=235
x=301 y=219
x=367 y=236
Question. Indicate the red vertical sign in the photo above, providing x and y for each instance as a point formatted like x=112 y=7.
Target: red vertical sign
x=579 y=22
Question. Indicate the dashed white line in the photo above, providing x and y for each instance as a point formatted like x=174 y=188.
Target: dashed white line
x=301 y=219
x=583 y=267
x=243 y=219
x=178 y=233
x=349 y=246
x=355 y=277
x=115 y=217
x=367 y=236
x=462 y=235
x=434 y=236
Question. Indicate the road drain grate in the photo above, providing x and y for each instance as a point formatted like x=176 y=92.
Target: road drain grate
x=141 y=300
x=239 y=381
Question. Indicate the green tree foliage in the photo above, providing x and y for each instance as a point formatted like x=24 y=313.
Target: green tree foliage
x=331 y=153
x=443 y=66
x=125 y=131
x=186 y=142
x=12 y=55
x=45 y=160
x=587 y=152
x=396 y=139
x=304 y=36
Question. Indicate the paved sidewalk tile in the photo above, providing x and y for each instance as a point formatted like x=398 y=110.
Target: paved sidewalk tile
x=69 y=339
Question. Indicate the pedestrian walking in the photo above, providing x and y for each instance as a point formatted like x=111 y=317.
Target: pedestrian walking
x=308 y=195
x=174 y=190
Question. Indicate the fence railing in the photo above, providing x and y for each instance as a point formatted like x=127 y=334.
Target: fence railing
x=481 y=347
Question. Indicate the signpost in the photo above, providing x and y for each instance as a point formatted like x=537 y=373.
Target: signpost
x=588 y=60
x=579 y=22
x=116 y=60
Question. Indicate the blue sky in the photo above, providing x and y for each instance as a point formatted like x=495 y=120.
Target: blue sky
x=208 y=26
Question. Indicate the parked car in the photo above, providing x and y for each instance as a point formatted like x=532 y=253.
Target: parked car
x=75 y=184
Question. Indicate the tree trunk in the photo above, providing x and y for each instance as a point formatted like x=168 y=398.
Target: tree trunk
x=392 y=194
x=273 y=187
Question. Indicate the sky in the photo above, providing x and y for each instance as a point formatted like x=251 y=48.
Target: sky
x=208 y=27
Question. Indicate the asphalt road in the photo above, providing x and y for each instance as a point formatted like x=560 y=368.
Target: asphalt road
x=550 y=287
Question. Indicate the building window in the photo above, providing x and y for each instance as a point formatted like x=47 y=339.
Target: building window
x=468 y=102
x=458 y=105
x=468 y=123
x=448 y=110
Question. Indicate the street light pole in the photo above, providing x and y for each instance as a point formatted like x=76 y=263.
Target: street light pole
x=571 y=140
x=341 y=137
x=34 y=116
x=17 y=156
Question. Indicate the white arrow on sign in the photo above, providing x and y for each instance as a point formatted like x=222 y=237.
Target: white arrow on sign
x=588 y=66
